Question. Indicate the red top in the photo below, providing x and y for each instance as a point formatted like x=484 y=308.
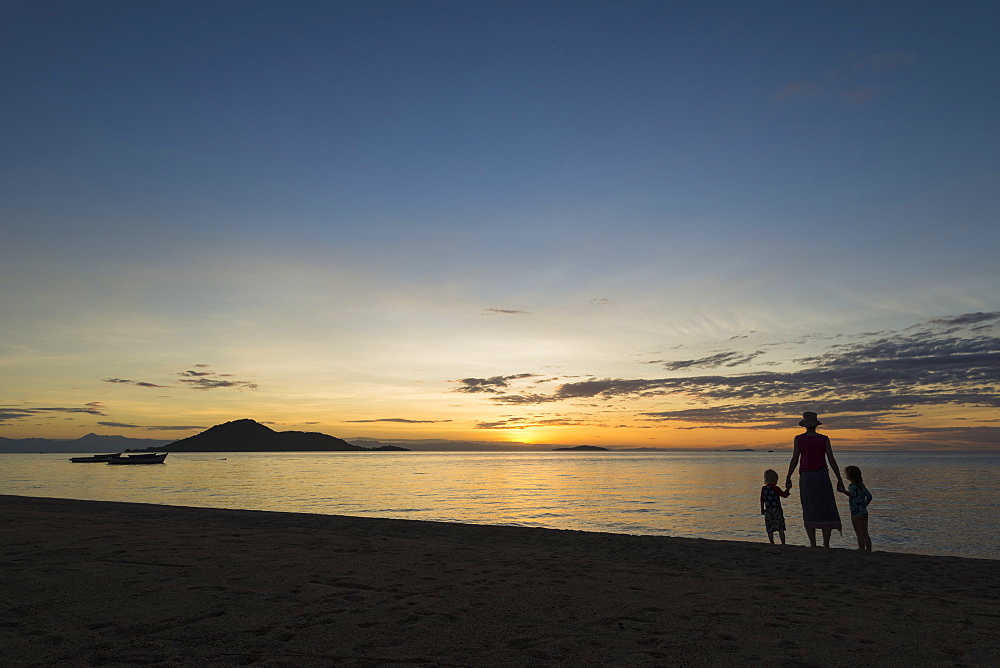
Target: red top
x=812 y=451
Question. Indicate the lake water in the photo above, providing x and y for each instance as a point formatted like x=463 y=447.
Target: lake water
x=944 y=504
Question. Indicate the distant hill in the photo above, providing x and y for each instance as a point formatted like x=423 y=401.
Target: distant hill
x=588 y=448
x=88 y=443
x=251 y=436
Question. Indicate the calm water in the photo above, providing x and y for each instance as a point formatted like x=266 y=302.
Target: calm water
x=931 y=504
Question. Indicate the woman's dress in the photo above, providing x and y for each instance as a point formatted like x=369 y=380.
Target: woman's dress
x=819 y=506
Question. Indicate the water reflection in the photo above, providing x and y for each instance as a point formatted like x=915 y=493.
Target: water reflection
x=923 y=503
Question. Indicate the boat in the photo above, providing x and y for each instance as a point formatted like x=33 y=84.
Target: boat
x=94 y=458
x=150 y=458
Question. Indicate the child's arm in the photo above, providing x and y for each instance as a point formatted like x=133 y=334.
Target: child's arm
x=762 y=501
x=845 y=491
x=782 y=494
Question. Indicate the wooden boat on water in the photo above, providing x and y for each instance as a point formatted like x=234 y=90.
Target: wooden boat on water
x=94 y=458
x=145 y=458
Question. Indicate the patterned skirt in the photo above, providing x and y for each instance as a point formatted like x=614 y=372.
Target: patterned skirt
x=819 y=507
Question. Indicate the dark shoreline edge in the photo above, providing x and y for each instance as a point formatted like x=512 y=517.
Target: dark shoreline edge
x=600 y=545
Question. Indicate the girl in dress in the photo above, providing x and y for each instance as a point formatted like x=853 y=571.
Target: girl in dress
x=860 y=498
x=770 y=506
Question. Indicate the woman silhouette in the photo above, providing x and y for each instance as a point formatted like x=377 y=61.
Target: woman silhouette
x=819 y=507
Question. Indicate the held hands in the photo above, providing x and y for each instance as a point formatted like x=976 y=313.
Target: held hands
x=840 y=486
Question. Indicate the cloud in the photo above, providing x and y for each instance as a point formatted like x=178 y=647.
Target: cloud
x=797 y=89
x=729 y=359
x=504 y=311
x=9 y=413
x=525 y=399
x=954 y=436
x=509 y=423
x=967 y=319
x=866 y=383
x=494 y=385
x=125 y=425
x=195 y=380
x=525 y=423
x=860 y=94
x=856 y=79
x=215 y=383
x=887 y=62
x=404 y=420
x=210 y=380
x=139 y=383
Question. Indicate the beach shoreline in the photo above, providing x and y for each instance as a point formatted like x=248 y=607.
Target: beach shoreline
x=112 y=583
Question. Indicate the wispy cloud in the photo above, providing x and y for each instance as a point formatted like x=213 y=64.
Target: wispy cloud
x=886 y=62
x=403 y=420
x=528 y=422
x=946 y=361
x=504 y=311
x=125 y=425
x=797 y=89
x=194 y=380
x=856 y=79
x=729 y=359
x=493 y=385
x=125 y=381
x=216 y=383
x=860 y=94
x=10 y=413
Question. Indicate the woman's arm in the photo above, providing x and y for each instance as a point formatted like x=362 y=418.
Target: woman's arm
x=792 y=464
x=833 y=465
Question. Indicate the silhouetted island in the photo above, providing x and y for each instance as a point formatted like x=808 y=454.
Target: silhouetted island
x=251 y=436
x=581 y=447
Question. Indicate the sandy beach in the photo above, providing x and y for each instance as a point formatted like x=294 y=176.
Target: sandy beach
x=87 y=583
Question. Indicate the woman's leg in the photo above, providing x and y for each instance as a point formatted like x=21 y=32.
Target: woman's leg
x=826 y=537
x=781 y=533
x=811 y=532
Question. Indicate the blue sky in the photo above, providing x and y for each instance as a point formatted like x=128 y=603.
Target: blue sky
x=351 y=207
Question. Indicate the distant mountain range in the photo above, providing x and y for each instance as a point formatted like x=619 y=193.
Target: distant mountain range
x=88 y=443
x=236 y=436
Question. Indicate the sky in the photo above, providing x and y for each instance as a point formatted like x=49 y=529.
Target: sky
x=626 y=224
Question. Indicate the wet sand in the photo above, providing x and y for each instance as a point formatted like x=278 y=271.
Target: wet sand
x=91 y=583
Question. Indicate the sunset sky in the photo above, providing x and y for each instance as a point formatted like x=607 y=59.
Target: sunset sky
x=627 y=224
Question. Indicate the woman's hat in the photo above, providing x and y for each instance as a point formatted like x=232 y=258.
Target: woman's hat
x=809 y=420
